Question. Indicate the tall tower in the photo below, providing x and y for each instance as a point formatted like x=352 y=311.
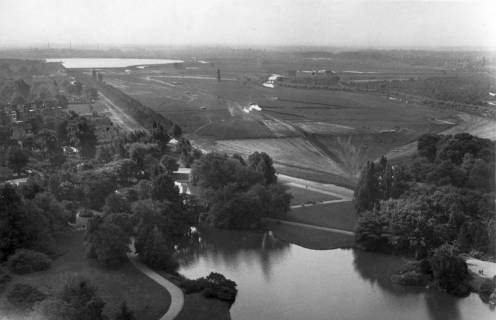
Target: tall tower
x=218 y=74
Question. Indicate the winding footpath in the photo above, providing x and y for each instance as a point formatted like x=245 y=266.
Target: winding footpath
x=177 y=296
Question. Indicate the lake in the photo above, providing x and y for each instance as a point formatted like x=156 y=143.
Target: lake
x=280 y=280
x=99 y=63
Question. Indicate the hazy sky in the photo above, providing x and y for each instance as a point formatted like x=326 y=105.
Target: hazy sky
x=264 y=22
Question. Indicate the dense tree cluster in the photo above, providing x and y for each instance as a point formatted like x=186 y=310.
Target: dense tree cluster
x=445 y=196
x=215 y=285
x=238 y=194
x=28 y=222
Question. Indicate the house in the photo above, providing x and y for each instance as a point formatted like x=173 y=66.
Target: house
x=181 y=180
x=83 y=216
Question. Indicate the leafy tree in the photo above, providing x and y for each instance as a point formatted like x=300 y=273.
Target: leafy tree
x=20 y=225
x=36 y=123
x=214 y=171
x=104 y=154
x=96 y=187
x=274 y=199
x=22 y=89
x=175 y=131
x=449 y=270
x=160 y=135
x=427 y=146
x=116 y=203
x=371 y=231
x=5 y=134
x=163 y=188
x=262 y=163
x=481 y=176
x=122 y=220
x=367 y=191
x=233 y=210
x=144 y=189
x=138 y=152
x=17 y=159
x=157 y=254
x=82 y=134
x=107 y=243
x=124 y=313
x=79 y=296
x=62 y=100
x=169 y=164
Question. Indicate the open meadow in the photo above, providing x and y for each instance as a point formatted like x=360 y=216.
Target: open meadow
x=326 y=134
x=148 y=299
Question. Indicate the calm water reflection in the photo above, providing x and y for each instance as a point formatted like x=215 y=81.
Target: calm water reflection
x=280 y=280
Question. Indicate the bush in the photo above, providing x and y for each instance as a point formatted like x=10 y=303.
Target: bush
x=450 y=271
x=56 y=309
x=27 y=261
x=80 y=295
x=487 y=287
x=220 y=287
x=24 y=296
x=106 y=242
x=371 y=232
x=157 y=254
x=215 y=285
x=194 y=286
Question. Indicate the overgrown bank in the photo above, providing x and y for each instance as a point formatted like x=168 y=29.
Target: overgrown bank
x=433 y=208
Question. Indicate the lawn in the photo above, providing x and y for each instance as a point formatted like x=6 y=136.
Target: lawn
x=311 y=238
x=302 y=195
x=197 y=307
x=339 y=215
x=288 y=151
x=148 y=299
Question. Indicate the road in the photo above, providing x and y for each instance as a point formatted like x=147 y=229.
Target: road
x=119 y=117
x=177 y=296
x=325 y=188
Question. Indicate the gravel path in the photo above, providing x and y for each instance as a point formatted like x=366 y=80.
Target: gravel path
x=177 y=296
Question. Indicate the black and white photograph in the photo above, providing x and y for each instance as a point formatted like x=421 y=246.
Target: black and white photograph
x=247 y=160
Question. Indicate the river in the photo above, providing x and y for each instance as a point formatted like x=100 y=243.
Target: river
x=280 y=280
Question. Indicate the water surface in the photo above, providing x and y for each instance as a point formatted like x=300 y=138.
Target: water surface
x=279 y=280
x=99 y=63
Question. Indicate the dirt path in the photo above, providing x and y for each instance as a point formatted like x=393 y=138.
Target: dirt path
x=304 y=205
x=177 y=296
x=343 y=193
x=119 y=117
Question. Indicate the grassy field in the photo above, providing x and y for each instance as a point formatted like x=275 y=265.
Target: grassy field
x=328 y=135
x=288 y=151
x=301 y=195
x=197 y=307
x=148 y=299
x=312 y=239
x=339 y=215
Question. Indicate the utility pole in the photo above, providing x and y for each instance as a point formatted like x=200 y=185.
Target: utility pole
x=218 y=75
